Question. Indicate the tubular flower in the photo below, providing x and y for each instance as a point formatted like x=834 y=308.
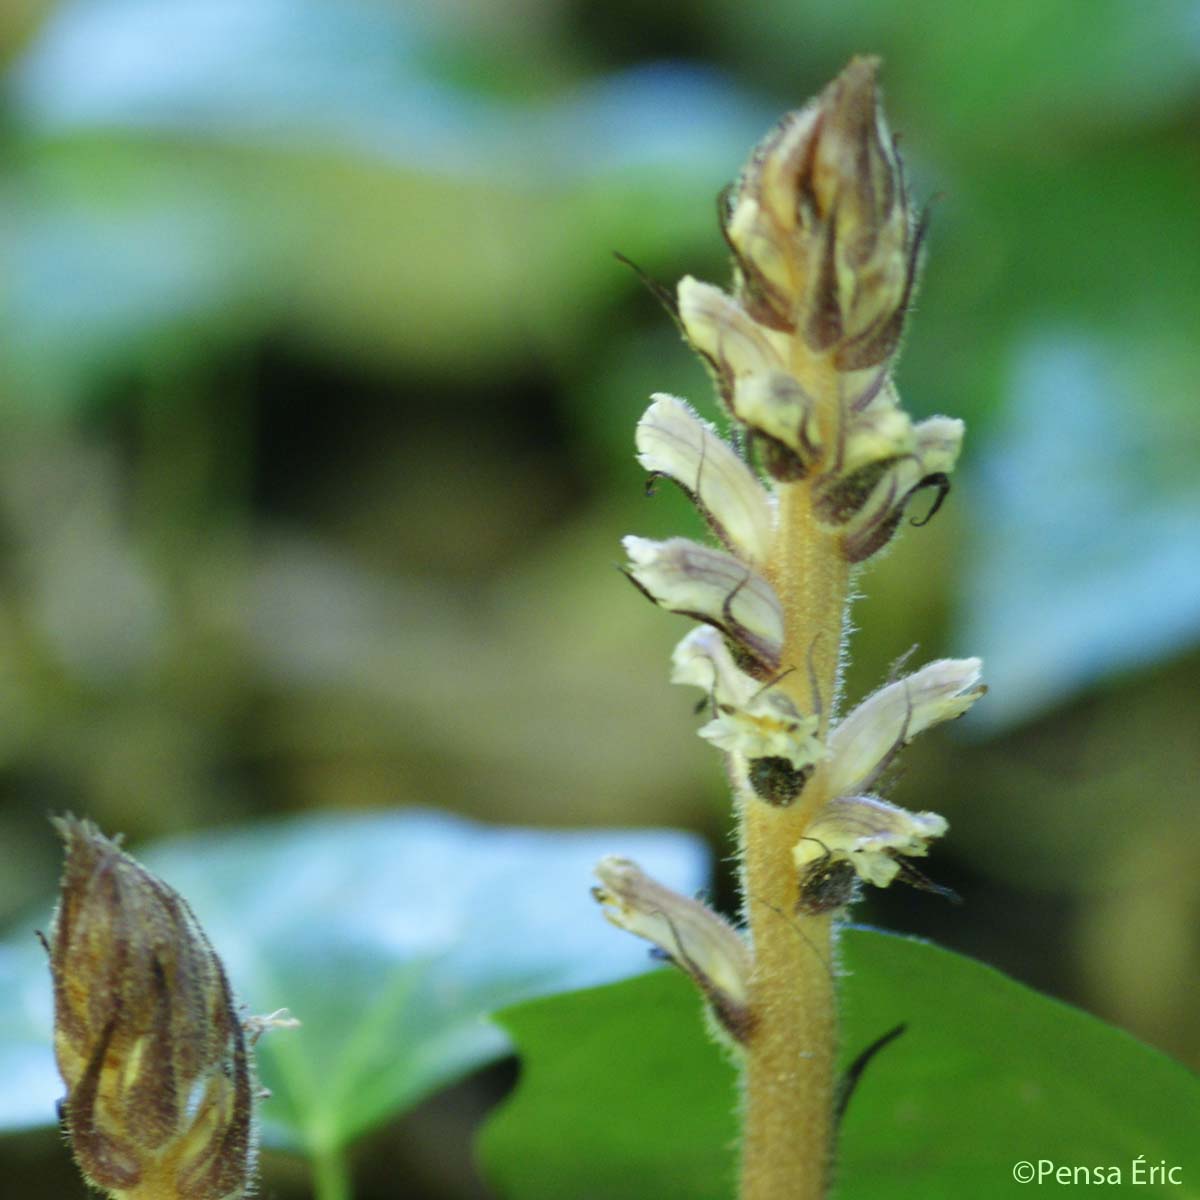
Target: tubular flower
x=160 y=1084
x=855 y=834
x=870 y=834
x=691 y=935
x=759 y=725
x=866 y=741
x=676 y=444
x=725 y=336
x=711 y=586
x=869 y=503
x=781 y=419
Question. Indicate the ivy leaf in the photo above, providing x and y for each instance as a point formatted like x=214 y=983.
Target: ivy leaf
x=621 y=1096
x=988 y=1073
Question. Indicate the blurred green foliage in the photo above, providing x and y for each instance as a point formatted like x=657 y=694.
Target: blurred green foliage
x=317 y=384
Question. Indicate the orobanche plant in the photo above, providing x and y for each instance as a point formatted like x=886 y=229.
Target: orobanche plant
x=826 y=251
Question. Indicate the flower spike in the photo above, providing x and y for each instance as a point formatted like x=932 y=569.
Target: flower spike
x=826 y=251
x=156 y=1061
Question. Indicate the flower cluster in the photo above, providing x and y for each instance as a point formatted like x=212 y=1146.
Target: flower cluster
x=854 y=836
x=825 y=255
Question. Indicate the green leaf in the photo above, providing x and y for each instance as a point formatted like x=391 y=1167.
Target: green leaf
x=390 y=936
x=989 y=1073
x=621 y=1096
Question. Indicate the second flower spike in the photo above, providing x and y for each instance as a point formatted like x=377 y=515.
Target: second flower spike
x=159 y=1080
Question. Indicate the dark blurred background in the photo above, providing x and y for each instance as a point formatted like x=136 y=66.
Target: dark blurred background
x=317 y=389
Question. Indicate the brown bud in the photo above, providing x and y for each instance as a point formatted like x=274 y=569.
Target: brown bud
x=148 y=1042
x=820 y=226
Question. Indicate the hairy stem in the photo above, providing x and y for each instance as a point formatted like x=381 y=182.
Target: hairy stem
x=789 y=1078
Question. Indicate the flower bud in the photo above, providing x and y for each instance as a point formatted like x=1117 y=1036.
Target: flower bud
x=673 y=442
x=148 y=1043
x=820 y=226
x=714 y=587
x=691 y=935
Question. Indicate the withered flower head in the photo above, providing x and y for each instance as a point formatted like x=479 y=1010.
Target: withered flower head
x=148 y=1042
